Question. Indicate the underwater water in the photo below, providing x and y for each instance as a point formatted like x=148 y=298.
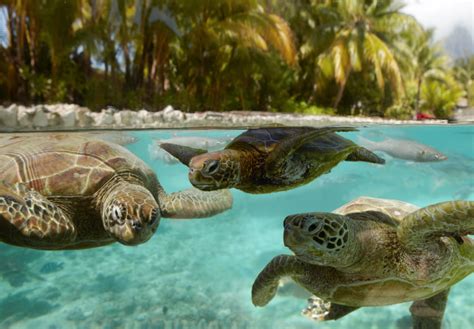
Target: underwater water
x=198 y=273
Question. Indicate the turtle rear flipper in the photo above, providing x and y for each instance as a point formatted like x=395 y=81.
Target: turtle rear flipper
x=29 y=219
x=363 y=154
x=320 y=310
x=194 y=203
x=453 y=218
x=291 y=144
x=183 y=153
x=428 y=313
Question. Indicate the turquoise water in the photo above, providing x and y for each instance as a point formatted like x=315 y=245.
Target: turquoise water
x=198 y=273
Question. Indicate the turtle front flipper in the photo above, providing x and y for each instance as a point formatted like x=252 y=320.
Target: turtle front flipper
x=266 y=284
x=321 y=310
x=291 y=144
x=363 y=154
x=453 y=218
x=428 y=313
x=183 y=153
x=194 y=203
x=28 y=219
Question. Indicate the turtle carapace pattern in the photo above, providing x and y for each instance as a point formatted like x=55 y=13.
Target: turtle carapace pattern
x=62 y=191
x=374 y=252
x=267 y=160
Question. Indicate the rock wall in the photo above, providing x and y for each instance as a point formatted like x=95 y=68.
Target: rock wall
x=74 y=117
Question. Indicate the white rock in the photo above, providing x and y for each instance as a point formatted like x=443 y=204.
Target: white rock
x=54 y=119
x=104 y=118
x=157 y=116
x=40 y=117
x=83 y=117
x=25 y=117
x=68 y=117
x=172 y=115
x=135 y=119
x=9 y=116
x=122 y=118
x=168 y=109
x=127 y=118
x=145 y=116
x=66 y=113
x=93 y=116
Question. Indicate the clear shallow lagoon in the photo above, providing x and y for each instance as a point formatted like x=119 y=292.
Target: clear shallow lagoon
x=199 y=273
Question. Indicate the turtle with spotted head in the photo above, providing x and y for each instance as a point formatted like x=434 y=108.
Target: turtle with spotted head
x=375 y=252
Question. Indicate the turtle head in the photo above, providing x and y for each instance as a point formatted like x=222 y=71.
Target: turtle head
x=130 y=214
x=214 y=170
x=322 y=238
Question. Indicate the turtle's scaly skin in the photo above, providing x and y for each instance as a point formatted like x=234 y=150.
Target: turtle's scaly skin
x=365 y=258
x=71 y=192
x=270 y=159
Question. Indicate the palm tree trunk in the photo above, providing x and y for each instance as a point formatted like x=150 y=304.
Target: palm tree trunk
x=12 y=80
x=342 y=87
x=417 y=99
x=340 y=93
x=242 y=100
x=20 y=28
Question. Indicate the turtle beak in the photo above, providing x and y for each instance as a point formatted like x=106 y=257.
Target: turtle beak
x=197 y=179
x=136 y=234
x=291 y=235
x=141 y=226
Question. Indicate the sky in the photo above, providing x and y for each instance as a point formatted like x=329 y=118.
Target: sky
x=442 y=14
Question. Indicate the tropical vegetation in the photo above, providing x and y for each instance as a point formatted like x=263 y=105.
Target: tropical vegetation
x=306 y=56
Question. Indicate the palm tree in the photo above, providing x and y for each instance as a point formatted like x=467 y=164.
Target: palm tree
x=441 y=97
x=464 y=73
x=355 y=35
x=428 y=62
x=219 y=33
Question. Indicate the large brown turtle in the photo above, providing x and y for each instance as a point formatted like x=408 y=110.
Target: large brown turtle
x=72 y=192
x=374 y=252
x=270 y=159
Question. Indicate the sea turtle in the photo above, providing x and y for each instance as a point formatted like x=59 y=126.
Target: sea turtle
x=72 y=192
x=270 y=159
x=374 y=252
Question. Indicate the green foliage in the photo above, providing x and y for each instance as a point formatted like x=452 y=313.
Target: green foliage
x=292 y=106
x=355 y=36
x=464 y=74
x=440 y=98
x=359 y=56
x=39 y=86
x=400 y=111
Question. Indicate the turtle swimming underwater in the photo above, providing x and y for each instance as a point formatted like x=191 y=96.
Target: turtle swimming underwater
x=71 y=192
x=270 y=159
x=374 y=252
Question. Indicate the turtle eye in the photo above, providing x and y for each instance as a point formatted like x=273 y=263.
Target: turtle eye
x=116 y=213
x=212 y=167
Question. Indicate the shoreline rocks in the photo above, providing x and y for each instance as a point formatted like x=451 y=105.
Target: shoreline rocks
x=74 y=117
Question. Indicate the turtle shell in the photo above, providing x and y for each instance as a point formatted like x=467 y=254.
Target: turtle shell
x=393 y=208
x=68 y=165
x=266 y=139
